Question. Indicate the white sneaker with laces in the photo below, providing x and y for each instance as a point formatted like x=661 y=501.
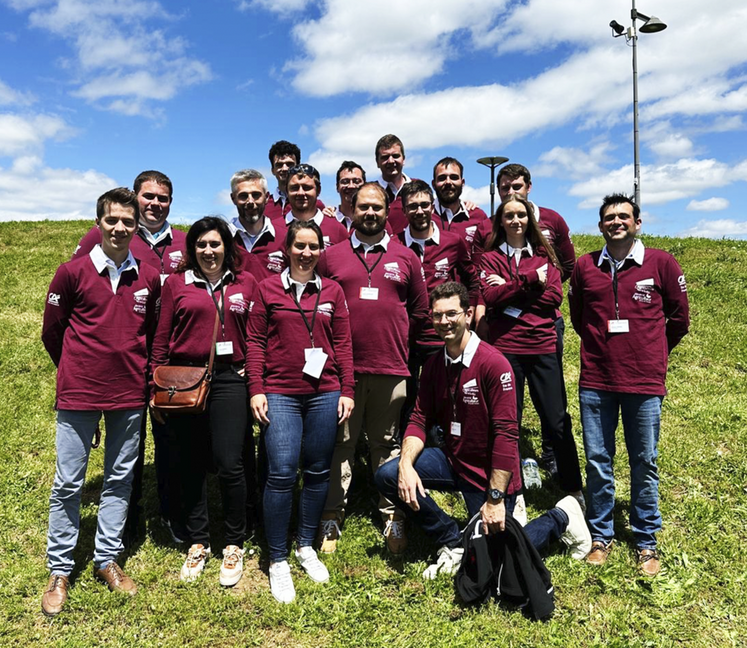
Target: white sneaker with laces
x=576 y=534
x=311 y=564
x=232 y=568
x=448 y=562
x=281 y=582
x=197 y=556
x=520 y=510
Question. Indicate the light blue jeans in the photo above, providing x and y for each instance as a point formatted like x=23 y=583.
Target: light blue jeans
x=75 y=430
x=641 y=415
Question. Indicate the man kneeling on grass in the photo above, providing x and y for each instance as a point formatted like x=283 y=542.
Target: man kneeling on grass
x=468 y=392
x=98 y=323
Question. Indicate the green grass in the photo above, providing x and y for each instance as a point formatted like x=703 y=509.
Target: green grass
x=374 y=600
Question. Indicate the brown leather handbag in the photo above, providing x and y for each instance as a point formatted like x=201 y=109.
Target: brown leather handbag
x=184 y=390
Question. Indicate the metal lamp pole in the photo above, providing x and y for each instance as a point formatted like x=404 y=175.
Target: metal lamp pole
x=492 y=163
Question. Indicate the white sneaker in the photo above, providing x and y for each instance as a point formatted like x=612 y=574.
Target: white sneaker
x=197 y=556
x=520 y=510
x=448 y=562
x=312 y=565
x=232 y=568
x=576 y=535
x=281 y=582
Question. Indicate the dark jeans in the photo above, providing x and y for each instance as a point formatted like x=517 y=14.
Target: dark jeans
x=301 y=427
x=545 y=380
x=223 y=432
x=436 y=473
x=547 y=447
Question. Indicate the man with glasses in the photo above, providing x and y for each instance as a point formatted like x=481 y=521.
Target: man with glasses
x=386 y=294
x=283 y=156
x=467 y=394
x=445 y=257
x=304 y=188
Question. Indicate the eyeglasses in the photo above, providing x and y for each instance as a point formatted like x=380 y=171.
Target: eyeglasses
x=449 y=316
x=303 y=169
x=412 y=208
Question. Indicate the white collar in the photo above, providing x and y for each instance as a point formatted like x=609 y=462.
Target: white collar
x=445 y=211
x=102 y=262
x=388 y=185
x=289 y=281
x=160 y=235
x=435 y=237
x=356 y=242
x=318 y=217
x=190 y=277
x=277 y=195
x=636 y=255
x=467 y=354
x=237 y=226
x=518 y=252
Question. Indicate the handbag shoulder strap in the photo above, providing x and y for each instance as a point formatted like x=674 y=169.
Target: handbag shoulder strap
x=212 y=347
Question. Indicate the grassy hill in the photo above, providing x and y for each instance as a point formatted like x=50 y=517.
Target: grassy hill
x=373 y=599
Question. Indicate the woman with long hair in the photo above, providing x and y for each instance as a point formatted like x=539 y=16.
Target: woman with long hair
x=521 y=286
x=210 y=285
x=301 y=383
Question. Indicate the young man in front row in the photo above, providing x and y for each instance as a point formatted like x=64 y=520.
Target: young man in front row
x=468 y=393
x=98 y=324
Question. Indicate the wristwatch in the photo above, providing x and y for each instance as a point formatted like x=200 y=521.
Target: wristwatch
x=496 y=495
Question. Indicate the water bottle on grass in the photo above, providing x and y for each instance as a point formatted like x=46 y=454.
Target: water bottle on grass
x=530 y=470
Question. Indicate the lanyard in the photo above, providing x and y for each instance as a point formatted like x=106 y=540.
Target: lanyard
x=365 y=265
x=453 y=392
x=309 y=327
x=219 y=306
x=614 y=290
x=159 y=254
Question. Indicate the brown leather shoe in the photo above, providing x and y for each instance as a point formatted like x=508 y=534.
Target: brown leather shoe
x=116 y=579
x=54 y=597
x=599 y=552
x=648 y=562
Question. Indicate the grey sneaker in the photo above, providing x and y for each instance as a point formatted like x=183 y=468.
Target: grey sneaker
x=576 y=534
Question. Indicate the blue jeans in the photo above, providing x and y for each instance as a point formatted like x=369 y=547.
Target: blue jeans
x=300 y=427
x=641 y=414
x=75 y=430
x=436 y=473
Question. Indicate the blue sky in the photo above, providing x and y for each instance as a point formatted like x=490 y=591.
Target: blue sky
x=93 y=92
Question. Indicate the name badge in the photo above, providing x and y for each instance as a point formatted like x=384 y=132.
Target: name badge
x=369 y=293
x=618 y=326
x=511 y=311
x=163 y=278
x=224 y=348
x=315 y=361
x=456 y=429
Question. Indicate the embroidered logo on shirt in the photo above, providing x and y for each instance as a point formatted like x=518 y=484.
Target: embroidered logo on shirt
x=506 y=381
x=471 y=393
x=141 y=300
x=327 y=308
x=442 y=269
x=175 y=257
x=643 y=290
x=393 y=272
x=237 y=303
x=275 y=262
x=53 y=299
x=469 y=233
x=682 y=283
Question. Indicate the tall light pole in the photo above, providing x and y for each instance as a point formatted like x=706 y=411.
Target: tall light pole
x=492 y=162
x=651 y=25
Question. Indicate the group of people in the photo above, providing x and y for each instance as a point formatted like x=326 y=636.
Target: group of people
x=408 y=316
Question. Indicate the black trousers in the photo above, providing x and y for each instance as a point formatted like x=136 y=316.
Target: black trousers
x=418 y=357
x=545 y=379
x=547 y=450
x=224 y=435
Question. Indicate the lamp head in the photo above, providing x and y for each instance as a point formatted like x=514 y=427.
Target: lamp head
x=652 y=25
x=492 y=161
x=617 y=28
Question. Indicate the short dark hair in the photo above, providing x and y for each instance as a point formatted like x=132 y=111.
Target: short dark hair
x=514 y=171
x=414 y=187
x=282 y=148
x=153 y=176
x=446 y=162
x=232 y=256
x=306 y=170
x=451 y=289
x=619 y=199
x=119 y=196
x=354 y=199
x=296 y=226
x=387 y=141
x=349 y=165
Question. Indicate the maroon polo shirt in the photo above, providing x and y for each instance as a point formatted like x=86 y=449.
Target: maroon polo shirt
x=332 y=230
x=521 y=312
x=267 y=256
x=164 y=257
x=464 y=223
x=380 y=328
x=278 y=336
x=652 y=296
x=485 y=403
x=99 y=340
x=277 y=208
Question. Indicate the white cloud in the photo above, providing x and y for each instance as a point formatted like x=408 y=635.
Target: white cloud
x=708 y=205
x=9 y=96
x=723 y=228
x=283 y=7
x=23 y=135
x=125 y=60
x=573 y=162
x=674 y=145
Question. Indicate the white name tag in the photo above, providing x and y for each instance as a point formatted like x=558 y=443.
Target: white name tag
x=315 y=361
x=456 y=429
x=511 y=311
x=369 y=293
x=618 y=326
x=163 y=278
x=224 y=348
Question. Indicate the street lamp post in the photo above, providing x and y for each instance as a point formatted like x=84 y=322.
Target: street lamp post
x=651 y=25
x=492 y=163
